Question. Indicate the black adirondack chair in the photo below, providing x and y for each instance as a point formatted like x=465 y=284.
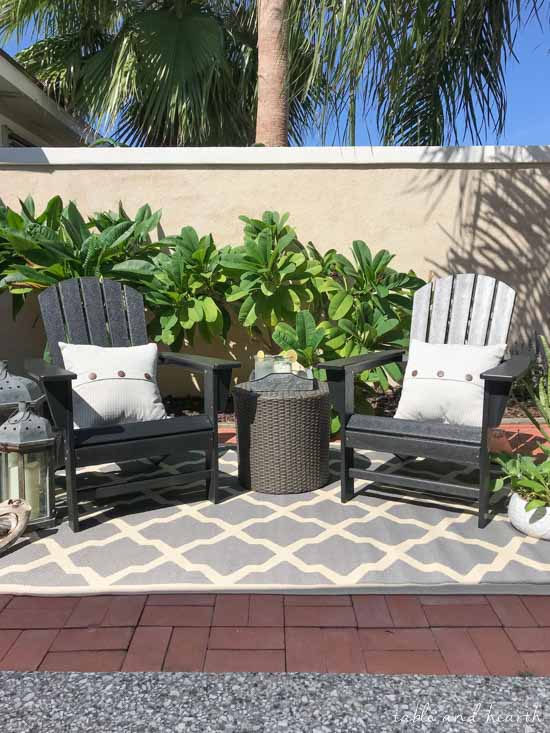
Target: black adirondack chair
x=106 y=313
x=459 y=309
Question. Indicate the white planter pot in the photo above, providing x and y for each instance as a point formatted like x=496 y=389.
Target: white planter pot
x=538 y=526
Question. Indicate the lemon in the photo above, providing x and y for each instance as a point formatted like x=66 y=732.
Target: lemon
x=291 y=355
x=260 y=355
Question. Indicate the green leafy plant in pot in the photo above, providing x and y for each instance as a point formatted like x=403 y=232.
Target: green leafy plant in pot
x=529 y=480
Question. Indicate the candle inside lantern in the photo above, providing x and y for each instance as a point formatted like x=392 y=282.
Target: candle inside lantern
x=33 y=486
x=13 y=476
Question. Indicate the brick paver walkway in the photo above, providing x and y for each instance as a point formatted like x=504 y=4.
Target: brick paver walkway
x=391 y=634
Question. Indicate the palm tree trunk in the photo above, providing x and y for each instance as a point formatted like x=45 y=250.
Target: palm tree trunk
x=272 y=113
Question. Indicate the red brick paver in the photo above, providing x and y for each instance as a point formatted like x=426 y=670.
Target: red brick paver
x=372 y=611
x=187 y=650
x=266 y=610
x=194 y=632
x=539 y=607
x=538 y=662
x=82 y=662
x=304 y=650
x=176 y=616
x=231 y=610
x=456 y=614
x=459 y=651
x=89 y=611
x=342 y=651
x=388 y=662
x=530 y=639
x=333 y=616
x=218 y=660
x=29 y=650
x=397 y=639
x=511 y=611
x=92 y=639
x=124 y=610
x=497 y=651
x=407 y=611
x=245 y=637
x=7 y=638
x=148 y=649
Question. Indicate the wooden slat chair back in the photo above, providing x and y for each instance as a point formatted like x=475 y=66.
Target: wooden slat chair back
x=463 y=309
x=90 y=311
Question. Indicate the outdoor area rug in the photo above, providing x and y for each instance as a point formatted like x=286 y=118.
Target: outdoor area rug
x=175 y=540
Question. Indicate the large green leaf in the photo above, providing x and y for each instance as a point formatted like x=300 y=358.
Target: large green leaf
x=285 y=337
x=305 y=328
x=340 y=305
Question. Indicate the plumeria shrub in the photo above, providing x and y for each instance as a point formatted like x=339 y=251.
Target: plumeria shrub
x=285 y=293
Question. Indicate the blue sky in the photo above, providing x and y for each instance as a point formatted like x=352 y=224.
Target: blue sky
x=528 y=81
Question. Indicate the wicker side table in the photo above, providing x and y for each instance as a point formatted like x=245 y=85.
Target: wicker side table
x=283 y=439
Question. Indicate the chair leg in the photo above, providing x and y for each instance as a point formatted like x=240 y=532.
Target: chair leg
x=212 y=466
x=71 y=486
x=347 y=491
x=484 y=489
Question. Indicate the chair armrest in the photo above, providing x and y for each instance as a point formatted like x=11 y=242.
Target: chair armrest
x=56 y=383
x=355 y=364
x=509 y=370
x=42 y=371
x=197 y=363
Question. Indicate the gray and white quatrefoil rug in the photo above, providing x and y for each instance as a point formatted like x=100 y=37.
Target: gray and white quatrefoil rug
x=175 y=540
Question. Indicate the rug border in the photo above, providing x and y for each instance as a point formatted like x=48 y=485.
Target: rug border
x=406 y=589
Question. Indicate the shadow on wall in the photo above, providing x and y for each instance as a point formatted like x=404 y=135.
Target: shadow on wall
x=502 y=229
x=22 y=338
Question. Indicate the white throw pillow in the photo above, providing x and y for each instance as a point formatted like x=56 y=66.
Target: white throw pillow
x=113 y=385
x=443 y=382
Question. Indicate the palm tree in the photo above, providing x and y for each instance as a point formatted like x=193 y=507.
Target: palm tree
x=195 y=72
x=273 y=95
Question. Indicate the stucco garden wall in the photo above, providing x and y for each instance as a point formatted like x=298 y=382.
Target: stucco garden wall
x=439 y=210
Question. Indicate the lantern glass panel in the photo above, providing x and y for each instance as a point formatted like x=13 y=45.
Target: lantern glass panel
x=10 y=475
x=37 y=481
x=27 y=476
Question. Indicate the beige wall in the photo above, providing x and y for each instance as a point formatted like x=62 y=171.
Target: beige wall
x=480 y=213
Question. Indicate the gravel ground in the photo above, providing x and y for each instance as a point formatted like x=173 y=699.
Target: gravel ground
x=188 y=703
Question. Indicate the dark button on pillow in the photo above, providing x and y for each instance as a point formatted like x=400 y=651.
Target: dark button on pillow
x=147 y=375
x=92 y=375
x=440 y=373
x=121 y=373
x=414 y=373
x=469 y=377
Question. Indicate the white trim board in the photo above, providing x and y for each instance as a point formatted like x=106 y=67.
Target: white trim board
x=29 y=88
x=387 y=157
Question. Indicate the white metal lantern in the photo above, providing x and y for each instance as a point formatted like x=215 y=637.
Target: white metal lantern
x=27 y=446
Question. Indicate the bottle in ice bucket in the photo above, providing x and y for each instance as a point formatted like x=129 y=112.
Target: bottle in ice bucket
x=263 y=365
